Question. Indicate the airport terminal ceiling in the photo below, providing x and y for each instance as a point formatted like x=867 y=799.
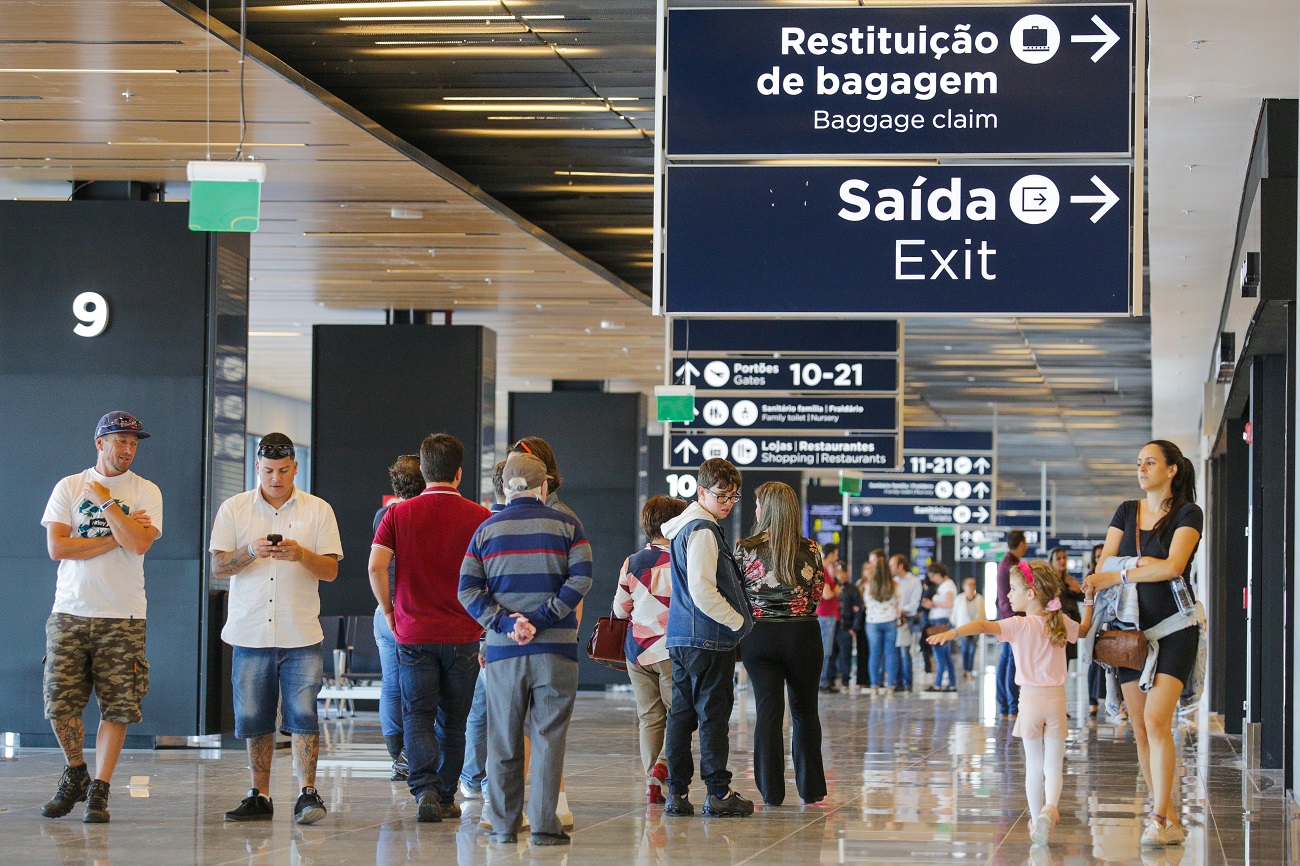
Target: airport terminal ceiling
x=568 y=248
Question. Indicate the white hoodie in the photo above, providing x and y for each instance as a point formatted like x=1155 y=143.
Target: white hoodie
x=702 y=568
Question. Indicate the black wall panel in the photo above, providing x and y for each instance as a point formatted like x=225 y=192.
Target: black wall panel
x=597 y=439
x=377 y=391
x=154 y=359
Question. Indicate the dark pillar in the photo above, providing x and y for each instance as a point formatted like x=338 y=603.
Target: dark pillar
x=377 y=391
x=598 y=440
x=174 y=353
x=1229 y=576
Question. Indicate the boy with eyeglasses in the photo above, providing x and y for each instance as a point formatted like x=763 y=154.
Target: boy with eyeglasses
x=706 y=621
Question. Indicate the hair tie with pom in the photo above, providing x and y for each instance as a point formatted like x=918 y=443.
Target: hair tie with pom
x=1054 y=604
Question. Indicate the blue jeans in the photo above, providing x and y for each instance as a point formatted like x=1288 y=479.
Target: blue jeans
x=904 y=654
x=390 y=692
x=265 y=678
x=828 y=626
x=437 y=690
x=1008 y=691
x=884 y=657
x=474 y=772
x=843 y=656
x=968 y=647
x=943 y=659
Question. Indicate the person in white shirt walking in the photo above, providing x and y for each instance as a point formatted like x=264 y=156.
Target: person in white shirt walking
x=910 y=593
x=969 y=608
x=276 y=544
x=99 y=524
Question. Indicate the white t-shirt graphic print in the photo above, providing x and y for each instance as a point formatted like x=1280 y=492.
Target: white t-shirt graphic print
x=110 y=585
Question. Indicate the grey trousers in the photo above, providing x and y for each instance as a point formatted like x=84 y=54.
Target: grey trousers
x=653 y=687
x=538 y=691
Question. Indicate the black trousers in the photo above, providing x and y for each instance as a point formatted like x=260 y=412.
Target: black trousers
x=703 y=694
x=786 y=658
x=864 y=658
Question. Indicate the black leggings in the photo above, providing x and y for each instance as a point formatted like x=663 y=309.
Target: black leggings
x=781 y=658
x=1177 y=656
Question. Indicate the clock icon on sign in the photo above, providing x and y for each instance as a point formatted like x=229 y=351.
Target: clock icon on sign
x=962 y=465
x=745 y=413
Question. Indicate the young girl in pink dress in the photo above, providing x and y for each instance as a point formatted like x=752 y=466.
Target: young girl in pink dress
x=1038 y=642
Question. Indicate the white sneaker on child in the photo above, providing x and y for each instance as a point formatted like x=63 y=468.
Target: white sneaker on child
x=1041 y=832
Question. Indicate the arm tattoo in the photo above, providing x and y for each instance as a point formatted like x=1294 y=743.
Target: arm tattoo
x=228 y=563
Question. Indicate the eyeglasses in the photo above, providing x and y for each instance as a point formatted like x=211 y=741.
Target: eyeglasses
x=724 y=497
x=275 y=452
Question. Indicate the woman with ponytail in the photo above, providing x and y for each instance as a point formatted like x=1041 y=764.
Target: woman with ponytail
x=1037 y=641
x=1164 y=529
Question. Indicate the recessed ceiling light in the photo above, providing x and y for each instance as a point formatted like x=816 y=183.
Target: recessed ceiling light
x=404 y=213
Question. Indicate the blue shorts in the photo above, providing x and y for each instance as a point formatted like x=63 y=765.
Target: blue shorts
x=271 y=678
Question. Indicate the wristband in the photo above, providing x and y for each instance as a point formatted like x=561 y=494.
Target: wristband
x=1087 y=603
x=103 y=506
x=252 y=552
x=1123 y=575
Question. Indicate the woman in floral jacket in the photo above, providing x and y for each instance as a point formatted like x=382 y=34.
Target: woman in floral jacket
x=783 y=582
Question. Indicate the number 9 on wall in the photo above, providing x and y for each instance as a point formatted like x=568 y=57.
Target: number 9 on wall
x=91 y=309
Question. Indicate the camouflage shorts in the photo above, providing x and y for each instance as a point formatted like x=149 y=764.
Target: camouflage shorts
x=107 y=655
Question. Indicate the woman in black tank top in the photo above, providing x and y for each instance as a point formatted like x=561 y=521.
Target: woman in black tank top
x=1164 y=529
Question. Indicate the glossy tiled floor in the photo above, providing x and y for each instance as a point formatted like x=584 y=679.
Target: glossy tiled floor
x=913 y=779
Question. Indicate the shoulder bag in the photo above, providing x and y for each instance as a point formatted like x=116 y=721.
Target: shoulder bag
x=1123 y=648
x=607 y=641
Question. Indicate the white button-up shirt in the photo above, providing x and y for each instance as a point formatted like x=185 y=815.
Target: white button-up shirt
x=274 y=603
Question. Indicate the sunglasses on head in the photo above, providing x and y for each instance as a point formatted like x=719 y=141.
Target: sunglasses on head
x=275 y=452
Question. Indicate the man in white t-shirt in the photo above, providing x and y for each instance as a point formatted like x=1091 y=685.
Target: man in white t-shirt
x=99 y=524
x=276 y=544
x=910 y=593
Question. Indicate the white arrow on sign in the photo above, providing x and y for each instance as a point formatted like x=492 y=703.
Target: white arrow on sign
x=982 y=465
x=686 y=448
x=981 y=490
x=1107 y=37
x=1107 y=198
x=686 y=371
x=981 y=514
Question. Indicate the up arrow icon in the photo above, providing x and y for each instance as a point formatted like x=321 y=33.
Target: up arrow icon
x=981 y=490
x=686 y=448
x=1107 y=37
x=688 y=370
x=1107 y=198
x=982 y=465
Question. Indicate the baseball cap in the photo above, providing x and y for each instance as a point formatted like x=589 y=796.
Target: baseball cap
x=120 y=422
x=523 y=472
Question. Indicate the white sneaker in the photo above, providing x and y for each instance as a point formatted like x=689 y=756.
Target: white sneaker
x=468 y=793
x=1157 y=835
x=1041 y=832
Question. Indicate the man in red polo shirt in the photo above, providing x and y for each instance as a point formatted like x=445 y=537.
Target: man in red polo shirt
x=437 y=640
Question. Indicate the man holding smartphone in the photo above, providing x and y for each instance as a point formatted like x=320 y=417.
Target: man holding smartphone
x=276 y=544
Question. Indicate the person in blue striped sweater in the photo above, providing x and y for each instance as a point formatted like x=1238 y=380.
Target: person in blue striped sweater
x=527 y=569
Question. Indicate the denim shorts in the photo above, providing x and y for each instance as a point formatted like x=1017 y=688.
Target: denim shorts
x=271 y=678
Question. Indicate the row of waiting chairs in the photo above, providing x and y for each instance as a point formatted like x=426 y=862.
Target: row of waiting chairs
x=351 y=661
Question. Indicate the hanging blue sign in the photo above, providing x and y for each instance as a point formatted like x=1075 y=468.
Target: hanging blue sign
x=890 y=514
x=688 y=450
x=847 y=374
x=950 y=240
x=790 y=412
x=923 y=80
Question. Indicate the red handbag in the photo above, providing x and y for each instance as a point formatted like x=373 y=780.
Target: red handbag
x=607 y=641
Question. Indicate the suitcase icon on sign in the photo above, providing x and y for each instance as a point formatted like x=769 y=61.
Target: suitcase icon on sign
x=1034 y=39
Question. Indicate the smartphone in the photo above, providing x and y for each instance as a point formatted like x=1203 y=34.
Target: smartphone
x=275 y=538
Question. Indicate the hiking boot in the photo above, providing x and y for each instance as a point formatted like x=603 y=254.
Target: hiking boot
x=72 y=790
x=254 y=807
x=310 y=808
x=449 y=811
x=560 y=838
x=96 y=803
x=731 y=806
x=427 y=810
x=679 y=805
